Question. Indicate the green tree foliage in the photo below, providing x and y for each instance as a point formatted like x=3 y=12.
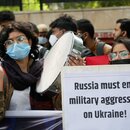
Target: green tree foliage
x=13 y=8
x=34 y=5
x=30 y=5
x=96 y=4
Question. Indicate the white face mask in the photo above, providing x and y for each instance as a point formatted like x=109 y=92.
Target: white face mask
x=53 y=39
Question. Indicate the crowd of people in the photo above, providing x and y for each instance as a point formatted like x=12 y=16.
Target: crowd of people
x=25 y=45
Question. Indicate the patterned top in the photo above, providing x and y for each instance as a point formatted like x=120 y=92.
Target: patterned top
x=5 y=96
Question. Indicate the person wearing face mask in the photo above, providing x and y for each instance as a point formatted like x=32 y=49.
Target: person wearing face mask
x=58 y=28
x=42 y=36
x=43 y=51
x=120 y=53
x=61 y=25
x=87 y=31
x=81 y=24
x=93 y=47
x=20 y=70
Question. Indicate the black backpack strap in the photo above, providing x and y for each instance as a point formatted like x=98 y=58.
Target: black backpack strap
x=99 y=48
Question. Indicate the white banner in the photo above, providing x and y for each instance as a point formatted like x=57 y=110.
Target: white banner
x=32 y=120
x=96 y=97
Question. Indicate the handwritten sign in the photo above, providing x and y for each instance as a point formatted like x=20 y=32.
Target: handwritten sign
x=96 y=97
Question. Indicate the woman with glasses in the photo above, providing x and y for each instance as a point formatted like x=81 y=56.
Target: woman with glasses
x=120 y=53
x=19 y=70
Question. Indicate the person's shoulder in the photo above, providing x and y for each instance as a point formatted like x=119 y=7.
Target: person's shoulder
x=104 y=47
x=107 y=48
x=100 y=48
x=107 y=45
x=1 y=69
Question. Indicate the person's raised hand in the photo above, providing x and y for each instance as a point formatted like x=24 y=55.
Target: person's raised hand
x=75 y=61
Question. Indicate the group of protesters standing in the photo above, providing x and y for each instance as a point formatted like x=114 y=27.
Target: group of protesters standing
x=24 y=46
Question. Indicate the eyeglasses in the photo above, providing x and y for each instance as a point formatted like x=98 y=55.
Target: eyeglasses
x=18 y=39
x=122 y=54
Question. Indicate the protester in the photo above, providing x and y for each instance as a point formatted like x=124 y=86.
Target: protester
x=42 y=36
x=98 y=48
x=58 y=28
x=20 y=70
x=120 y=53
x=6 y=17
x=43 y=51
x=122 y=28
x=81 y=24
x=87 y=32
x=61 y=25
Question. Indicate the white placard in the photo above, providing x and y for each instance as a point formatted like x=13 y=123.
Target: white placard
x=96 y=97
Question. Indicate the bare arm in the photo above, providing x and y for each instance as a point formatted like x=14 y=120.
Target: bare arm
x=2 y=103
x=1 y=78
x=6 y=91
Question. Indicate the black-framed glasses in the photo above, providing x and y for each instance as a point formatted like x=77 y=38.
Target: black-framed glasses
x=122 y=54
x=18 y=39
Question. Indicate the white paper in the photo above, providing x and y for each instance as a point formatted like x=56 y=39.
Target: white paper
x=96 y=97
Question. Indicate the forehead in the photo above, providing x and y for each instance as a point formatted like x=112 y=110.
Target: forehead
x=15 y=34
x=119 y=47
x=5 y=23
x=55 y=30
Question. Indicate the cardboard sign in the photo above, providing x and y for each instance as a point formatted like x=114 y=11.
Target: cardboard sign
x=96 y=97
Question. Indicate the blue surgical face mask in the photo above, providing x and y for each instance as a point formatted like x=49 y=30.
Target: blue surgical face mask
x=42 y=40
x=18 y=51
